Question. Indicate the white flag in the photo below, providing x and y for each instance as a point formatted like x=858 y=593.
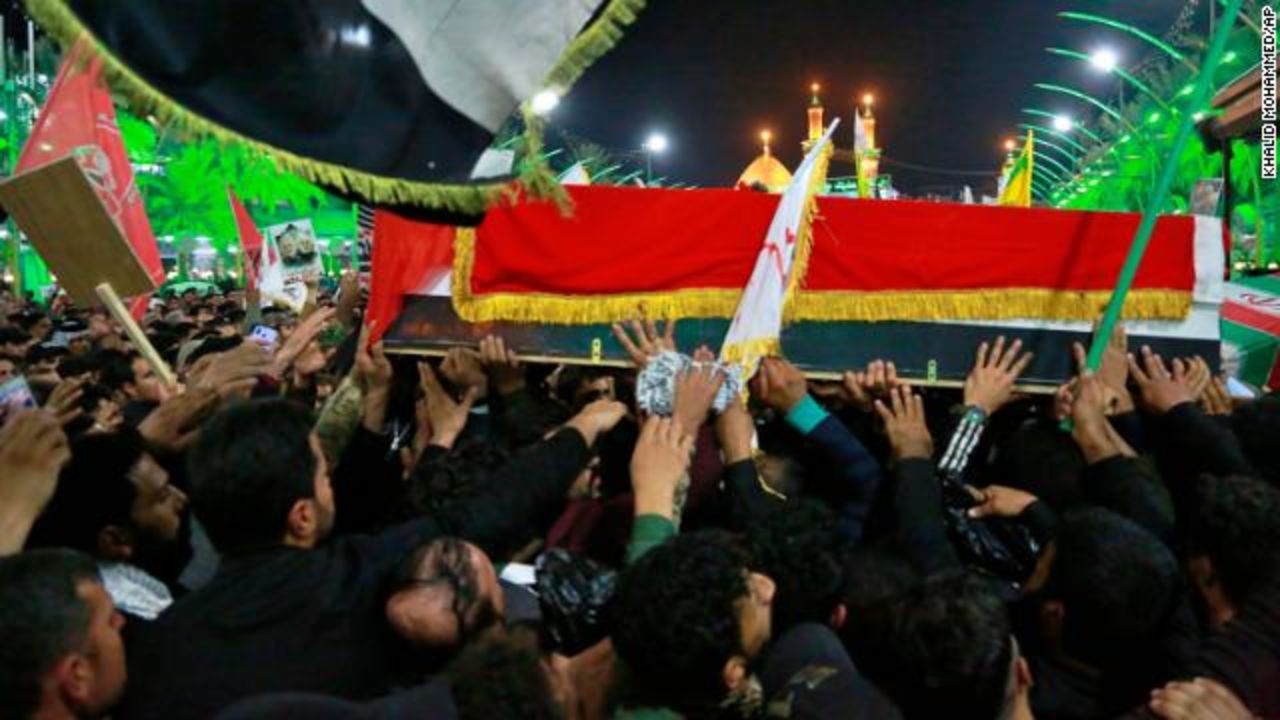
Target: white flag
x=757 y=324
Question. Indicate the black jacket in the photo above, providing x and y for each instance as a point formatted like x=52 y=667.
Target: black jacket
x=288 y=619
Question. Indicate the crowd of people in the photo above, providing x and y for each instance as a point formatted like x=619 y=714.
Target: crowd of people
x=304 y=526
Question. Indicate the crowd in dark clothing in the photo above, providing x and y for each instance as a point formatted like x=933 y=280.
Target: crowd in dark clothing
x=313 y=527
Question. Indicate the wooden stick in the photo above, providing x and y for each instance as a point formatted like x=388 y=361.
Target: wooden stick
x=116 y=307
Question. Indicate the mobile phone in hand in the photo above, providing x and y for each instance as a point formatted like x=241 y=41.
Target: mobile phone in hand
x=15 y=396
x=266 y=336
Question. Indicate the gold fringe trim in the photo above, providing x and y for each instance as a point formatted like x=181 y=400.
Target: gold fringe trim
x=750 y=350
x=59 y=21
x=593 y=43
x=809 y=305
x=804 y=242
x=536 y=177
x=1006 y=304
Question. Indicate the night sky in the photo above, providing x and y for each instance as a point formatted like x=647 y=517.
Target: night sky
x=949 y=76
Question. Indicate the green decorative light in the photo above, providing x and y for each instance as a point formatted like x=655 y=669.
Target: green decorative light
x=1040 y=157
x=1131 y=30
x=1078 y=126
x=1060 y=137
x=1230 y=57
x=1124 y=75
x=1047 y=171
x=1042 y=142
x=1071 y=92
x=1186 y=90
x=1154 y=118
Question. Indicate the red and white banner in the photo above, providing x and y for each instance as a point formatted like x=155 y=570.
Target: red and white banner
x=79 y=119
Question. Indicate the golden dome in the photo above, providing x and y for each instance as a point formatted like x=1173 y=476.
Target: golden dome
x=767 y=171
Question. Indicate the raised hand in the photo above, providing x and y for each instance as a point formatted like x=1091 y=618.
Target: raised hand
x=779 y=384
x=310 y=361
x=996 y=369
x=1216 y=400
x=301 y=337
x=860 y=388
x=174 y=424
x=373 y=373
x=232 y=373
x=735 y=430
x=696 y=390
x=597 y=418
x=1195 y=374
x=64 y=401
x=33 y=450
x=500 y=362
x=1160 y=388
x=372 y=369
x=348 y=297
x=648 y=342
x=447 y=417
x=1090 y=405
x=660 y=459
x=904 y=423
x=1063 y=400
x=462 y=368
x=1113 y=371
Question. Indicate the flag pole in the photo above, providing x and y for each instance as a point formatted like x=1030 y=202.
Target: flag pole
x=111 y=300
x=1201 y=96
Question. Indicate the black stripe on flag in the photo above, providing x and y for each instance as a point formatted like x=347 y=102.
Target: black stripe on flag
x=321 y=79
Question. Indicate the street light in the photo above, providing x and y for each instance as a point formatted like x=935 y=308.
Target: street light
x=544 y=102
x=1165 y=47
x=868 y=99
x=1062 y=123
x=1104 y=59
x=655 y=144
x=1010 y=145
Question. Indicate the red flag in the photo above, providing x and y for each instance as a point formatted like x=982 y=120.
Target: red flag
x=78 y=119
x=409 y=257
x=250 y=240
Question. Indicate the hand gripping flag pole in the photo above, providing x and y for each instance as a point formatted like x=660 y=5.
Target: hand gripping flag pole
x=1199 y=99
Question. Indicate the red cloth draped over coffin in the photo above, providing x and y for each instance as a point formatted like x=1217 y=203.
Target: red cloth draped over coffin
x=688 y=253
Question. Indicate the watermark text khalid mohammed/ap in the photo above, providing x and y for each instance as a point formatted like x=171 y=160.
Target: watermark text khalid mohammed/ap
x=1269 y=123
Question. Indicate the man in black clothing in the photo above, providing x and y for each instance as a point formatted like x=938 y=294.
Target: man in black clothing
x=952 y=653
x=1106 y=619
x=115 y=502
x=1233 y=542
x=62 y=656
x=288 y=611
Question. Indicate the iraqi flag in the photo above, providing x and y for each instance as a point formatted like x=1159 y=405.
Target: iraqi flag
x=390 y=101
x=409 y=258
x=79 y=119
